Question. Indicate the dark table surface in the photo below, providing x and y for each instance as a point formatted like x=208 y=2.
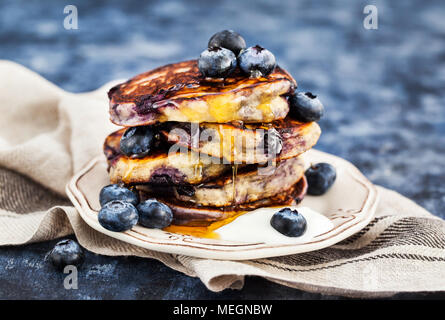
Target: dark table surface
x=383 y=91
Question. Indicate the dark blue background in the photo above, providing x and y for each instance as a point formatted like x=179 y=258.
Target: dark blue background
x=383 y=91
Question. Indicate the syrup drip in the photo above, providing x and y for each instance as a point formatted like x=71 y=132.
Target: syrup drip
x=204 y=232
x=234 y=154
x=234 y=175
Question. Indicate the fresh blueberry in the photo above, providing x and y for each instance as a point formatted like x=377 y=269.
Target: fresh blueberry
x=228 y=39
x=137 y=141
x=66 y=252
x=305 y=107
x=116 y=192
x=320 y=177
x=256 y=61
x=154 y=214
x=118 y=216
x=217 y=62
x=289 y=222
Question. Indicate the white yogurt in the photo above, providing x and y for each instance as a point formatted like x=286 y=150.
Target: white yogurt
x=255 y=226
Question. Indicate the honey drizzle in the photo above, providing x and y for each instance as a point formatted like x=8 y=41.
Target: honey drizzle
x=207 y=232
x=234 y=154
x=234 y=175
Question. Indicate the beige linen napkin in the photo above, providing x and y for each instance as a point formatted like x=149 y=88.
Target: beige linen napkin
x=47 y=134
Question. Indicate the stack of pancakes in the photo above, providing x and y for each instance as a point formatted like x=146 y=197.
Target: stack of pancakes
x=222 y=146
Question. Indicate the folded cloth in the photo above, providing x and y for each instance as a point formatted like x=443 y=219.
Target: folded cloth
x=47 y=134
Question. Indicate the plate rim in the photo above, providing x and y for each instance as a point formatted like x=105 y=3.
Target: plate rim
x=185 y=245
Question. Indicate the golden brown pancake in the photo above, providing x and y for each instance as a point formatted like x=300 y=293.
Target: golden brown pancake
x=247 y=185
x=245 y=143
x=178 y=92
x=159 y=167
x=199 y=216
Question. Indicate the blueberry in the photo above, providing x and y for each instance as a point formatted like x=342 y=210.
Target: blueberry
x=154 y=214
x=116 y=192
x=118 y=216
x=305 y=107
x=289 y=222
x=137 y=141
x=320 y=177
x=217 y=62
x=228 y=39
x=256 y=61
x=66 y=252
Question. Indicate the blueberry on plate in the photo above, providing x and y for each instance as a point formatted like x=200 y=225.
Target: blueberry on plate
x=118 y=216
x=116 y=192
x=228 y=39
x=289 y=222
x=137 y=141
x=66 y=252
x=320 y=177
x=305 y=107
x=217 y=62
x=256 y=61
x=154 y=214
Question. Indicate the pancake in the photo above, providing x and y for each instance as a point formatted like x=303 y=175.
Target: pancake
x=178 y=92
x=248 y=185
x=245 y=143
x=185 y=214
x=160 y=167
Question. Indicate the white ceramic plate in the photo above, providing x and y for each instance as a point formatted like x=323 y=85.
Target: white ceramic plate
x=345 y=209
